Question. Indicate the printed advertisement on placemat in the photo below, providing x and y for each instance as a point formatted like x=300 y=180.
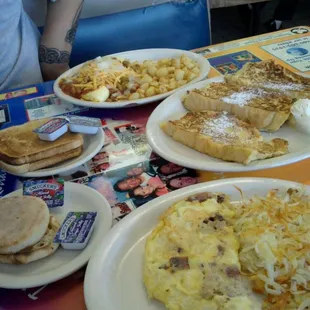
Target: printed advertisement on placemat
x=289 y=47
x=125 y=171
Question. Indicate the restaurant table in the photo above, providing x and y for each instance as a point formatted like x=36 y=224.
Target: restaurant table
x=127 y=147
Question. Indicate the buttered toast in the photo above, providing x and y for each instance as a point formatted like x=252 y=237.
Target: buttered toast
x=271 y=76
x=224 y=136
x=21 y=150
x=20 y=145
x=266 y=110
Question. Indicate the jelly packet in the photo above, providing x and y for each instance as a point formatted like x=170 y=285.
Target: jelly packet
x=50 y=190
x=76 y=230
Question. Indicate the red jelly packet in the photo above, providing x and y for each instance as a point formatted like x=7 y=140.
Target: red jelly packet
x=50 y=190
x=51 y=126
x=53 y=129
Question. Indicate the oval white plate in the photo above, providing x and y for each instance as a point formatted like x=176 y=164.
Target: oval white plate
x=138 y=55
x=172 y=108
x=114 y=274
x=92 y=145
x=63 y=262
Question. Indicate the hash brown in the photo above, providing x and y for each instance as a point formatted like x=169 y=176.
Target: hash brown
x=265 y=239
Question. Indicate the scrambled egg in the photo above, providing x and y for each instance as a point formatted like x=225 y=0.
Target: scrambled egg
x=191 y=258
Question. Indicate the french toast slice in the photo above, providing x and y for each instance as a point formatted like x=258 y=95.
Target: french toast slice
x=271 y=76
x=266 y=110
x=224 y=136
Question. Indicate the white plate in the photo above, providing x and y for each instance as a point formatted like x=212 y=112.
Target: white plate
x=172 y=108
x=92 y=145
x=138 y=55
x=63 y=262
x=114 y=274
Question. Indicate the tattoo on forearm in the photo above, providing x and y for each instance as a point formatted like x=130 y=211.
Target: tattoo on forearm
x=70 y=36
x=53 y=55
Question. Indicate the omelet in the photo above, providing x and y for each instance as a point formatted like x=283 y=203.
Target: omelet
x=191 y=257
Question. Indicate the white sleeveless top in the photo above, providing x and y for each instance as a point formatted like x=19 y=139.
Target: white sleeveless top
x=19 y=41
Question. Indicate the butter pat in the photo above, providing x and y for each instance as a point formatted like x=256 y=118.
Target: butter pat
x=76 y=230
x=301 y=113
x=86 y=125
x=53 y=129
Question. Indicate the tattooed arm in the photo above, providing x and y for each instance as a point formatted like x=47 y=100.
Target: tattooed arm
x=59 y=32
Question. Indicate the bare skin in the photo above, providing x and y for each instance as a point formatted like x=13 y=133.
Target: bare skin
x=59 y=33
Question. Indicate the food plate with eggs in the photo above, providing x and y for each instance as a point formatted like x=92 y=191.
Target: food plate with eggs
x=287 y=143
x=130 y=78
x=216 y=245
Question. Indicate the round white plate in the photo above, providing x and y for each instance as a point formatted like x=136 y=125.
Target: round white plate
x=92 y=145
x=63 y=262
x=172 y=109
x=114 y=274
x=138 y=55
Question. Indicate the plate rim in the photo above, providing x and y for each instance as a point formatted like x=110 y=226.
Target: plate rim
x=111 y=237
x=130 y=103
x=39 y=173
x=37 y=280
x=212 y=166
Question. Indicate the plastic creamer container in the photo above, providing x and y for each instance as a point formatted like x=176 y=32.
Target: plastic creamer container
x=76 y=230
x=53 y=129
x=86 y=125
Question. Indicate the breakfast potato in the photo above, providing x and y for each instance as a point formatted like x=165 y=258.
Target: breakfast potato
x=136 y=80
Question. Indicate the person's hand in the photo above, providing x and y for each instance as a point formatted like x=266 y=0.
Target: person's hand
x=51 y=72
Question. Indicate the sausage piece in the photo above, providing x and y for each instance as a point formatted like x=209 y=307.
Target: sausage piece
x=232 y=272
x=179 y=263
x=217 y=217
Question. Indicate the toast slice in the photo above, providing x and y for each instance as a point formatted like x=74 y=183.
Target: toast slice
x=43 y=163
x=271 y=76
x=19 y=145
x=224 y=136
x=266 y=110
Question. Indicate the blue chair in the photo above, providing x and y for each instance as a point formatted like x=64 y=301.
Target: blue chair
x=184 y=25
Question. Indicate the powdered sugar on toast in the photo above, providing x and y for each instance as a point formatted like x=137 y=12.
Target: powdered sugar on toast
x=224 y=128
x=283 y=86
x=244 y=97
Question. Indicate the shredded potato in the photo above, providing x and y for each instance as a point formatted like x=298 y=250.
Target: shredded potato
x=131 y=80
x=274 y=237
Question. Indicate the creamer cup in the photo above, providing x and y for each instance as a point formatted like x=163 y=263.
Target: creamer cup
x=301 y=113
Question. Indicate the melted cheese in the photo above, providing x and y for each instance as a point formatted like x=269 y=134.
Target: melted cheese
x=92 y=77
